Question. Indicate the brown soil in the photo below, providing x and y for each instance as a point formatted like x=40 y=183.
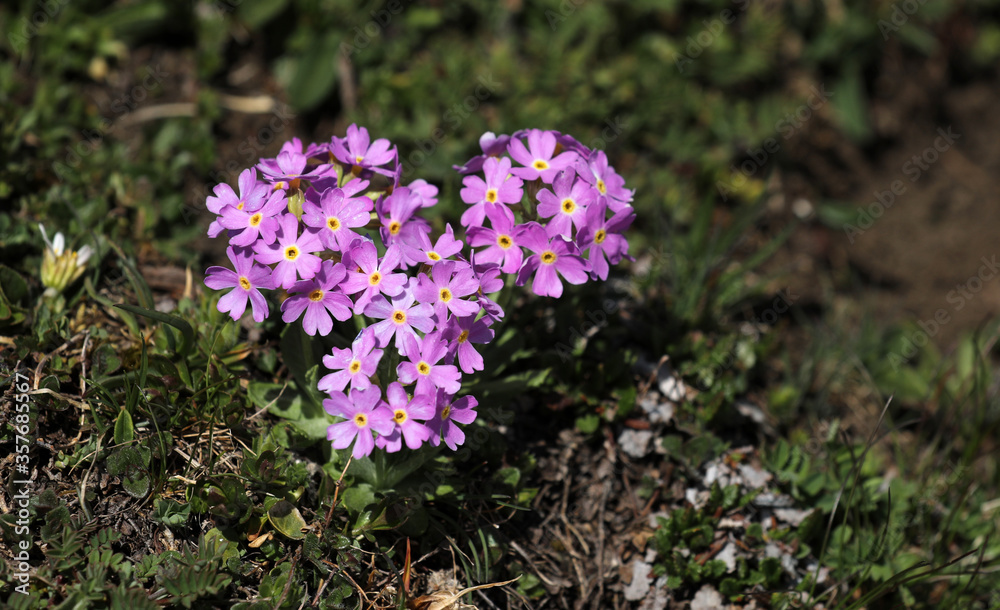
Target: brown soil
x=930 y=248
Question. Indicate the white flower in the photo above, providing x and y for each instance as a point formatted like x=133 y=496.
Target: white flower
x=61 y=267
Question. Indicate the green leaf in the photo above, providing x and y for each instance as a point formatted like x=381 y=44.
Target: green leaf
x=588 y=424
x=258 y=12
x=128 y=463
x=307 y=417
x=124 y=430
x=287 y=519
x=315 y=71
x=187 y=333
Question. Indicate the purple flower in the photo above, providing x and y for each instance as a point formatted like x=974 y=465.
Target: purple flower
x=596 y=171
x=488 y=276
x=498 y=189
x=425 y=192
x=394 y=212
x=549 y=257
x=355 y=365
x=335 y=216
x=252 y=196
x=452 y=280
x=502 y=240
x=356 y=153
x=318 y=298
x=418 y=250
x=289 y=166
x=492 y=146
x=604 y=237
x=423 y=366
x=461 y=333
x=365 y=412
x=537 y=159
x=446 y=414
x=373 y=276
x=292 y=252
x=405 y=413
x=246 y=282
x=399 y=318
x=566 y=204
x=254 y=222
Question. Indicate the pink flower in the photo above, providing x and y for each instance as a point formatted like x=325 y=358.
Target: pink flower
x=399 y=318
x=446 y=414
x=365 y=413
x=461 y=333
x=452 y=280
x=405 y=415
x=292 y=252
x=355 y=365
x=499 y=189
x=502 y=240
x=252 y=196
x=246 y=282
x=319 y=298
x=254 y=221
x=335 y=215
x=552 y=258
x=423 y=366
x=566 y=204
x=360 y=154
x=373 y=276
x=537 y=159
x=604 y=237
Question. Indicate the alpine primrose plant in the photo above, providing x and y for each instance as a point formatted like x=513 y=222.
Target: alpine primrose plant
x=331 y=226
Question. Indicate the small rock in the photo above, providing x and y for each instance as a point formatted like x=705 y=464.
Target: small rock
x=791 y=516
x=754 y=478
x=707 y=598
x=774 y=500
x=635 y=443
x=659 y=412
x=728 y=555
x=659 y=598
x=639 y=587
x=671 y=386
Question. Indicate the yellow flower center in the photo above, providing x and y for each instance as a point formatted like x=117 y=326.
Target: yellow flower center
x=394 y=227
x=316 y=295
x=600 y=235
x=333 y=223
x=374 y=279
x=540 y=165
x=399 y=416
x=504 y=241
x=491 y=195
x=291 y=253
x=463 y=336
x=244 y=283
x=255 y=219
x=445 y=295
x=399 y=316
x=359 y=159
x=423 y=368
x=355 y=366
x=360 y=420
x=568 y=206
x=548 y=257
x=240 y=206
x=601 y=187
x=434 y=256
x=445 y=413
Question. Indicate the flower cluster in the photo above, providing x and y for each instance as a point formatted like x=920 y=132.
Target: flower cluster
x=304 y=223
